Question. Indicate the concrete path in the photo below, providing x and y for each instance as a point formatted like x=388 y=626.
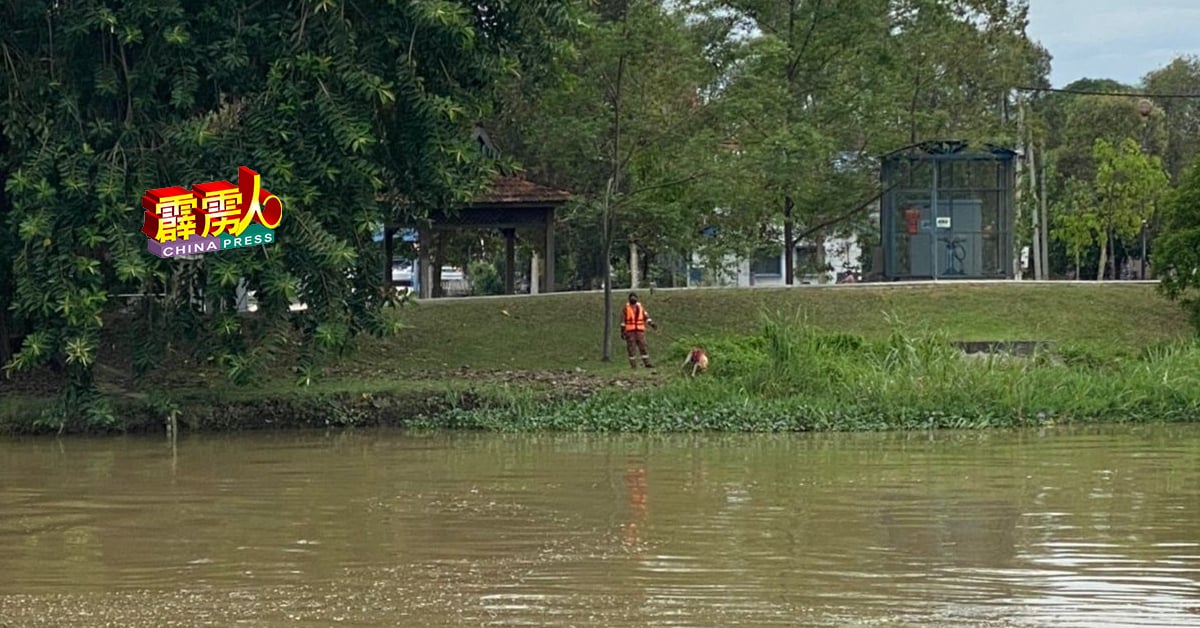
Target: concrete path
x=876 y=285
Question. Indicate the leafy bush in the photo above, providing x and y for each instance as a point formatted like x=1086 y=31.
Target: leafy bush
x=1177 y=249
x=486 y=279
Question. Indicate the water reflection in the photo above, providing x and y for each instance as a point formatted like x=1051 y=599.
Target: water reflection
x=1086 y=527
x=635 y=481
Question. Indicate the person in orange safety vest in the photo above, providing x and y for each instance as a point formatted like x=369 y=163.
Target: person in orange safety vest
x=633 y=331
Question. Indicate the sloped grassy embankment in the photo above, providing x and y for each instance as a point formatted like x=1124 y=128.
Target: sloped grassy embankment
x=791 y=377
x=839 y=358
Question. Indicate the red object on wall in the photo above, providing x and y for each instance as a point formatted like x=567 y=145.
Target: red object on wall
x=912 y=217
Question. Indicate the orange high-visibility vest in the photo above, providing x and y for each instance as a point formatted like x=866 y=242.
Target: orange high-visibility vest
x=635 y=319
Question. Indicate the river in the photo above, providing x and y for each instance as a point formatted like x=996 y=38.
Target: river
x=1082 y=527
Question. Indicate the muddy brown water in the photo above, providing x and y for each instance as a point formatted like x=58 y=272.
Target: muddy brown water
x=1094 y=527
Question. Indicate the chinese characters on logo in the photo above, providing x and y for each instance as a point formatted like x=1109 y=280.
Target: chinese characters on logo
x=211 y=216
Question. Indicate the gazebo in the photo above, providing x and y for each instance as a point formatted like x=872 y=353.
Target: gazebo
x=511 y=203
x=948 y=212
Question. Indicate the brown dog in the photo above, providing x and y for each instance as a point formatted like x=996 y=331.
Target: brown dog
x=698 y=358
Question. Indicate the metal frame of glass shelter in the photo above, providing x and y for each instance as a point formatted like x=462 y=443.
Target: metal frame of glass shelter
x=948 y=212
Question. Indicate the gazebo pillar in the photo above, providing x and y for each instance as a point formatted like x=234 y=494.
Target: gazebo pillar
x=425 y=264
x=510 y=259
x=634 y=267
x=549 y=282
x=512 y=204
x=534 y=275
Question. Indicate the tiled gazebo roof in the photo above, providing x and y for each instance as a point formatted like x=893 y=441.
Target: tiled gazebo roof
x=516 y=190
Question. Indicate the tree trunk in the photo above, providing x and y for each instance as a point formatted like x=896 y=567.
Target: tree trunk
x=389 y=251
x=820 y=257
x=1112 y=258
x=6 y=350
x=606 y=259
x=608 y=304
x=614 y=186
x=7 y=281
x=789 y=244
x=1103 y=257
x=439 y=254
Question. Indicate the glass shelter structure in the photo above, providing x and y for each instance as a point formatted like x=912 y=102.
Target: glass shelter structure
x=948 y=212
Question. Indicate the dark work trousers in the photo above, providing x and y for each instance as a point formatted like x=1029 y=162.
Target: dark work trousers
x=636 y=341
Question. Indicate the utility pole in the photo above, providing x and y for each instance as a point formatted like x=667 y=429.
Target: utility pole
x=1045 y=218
x=1019 y=187
x=1144 y=109
x=1036 y=257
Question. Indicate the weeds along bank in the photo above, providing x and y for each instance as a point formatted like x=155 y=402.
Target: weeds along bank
x=785 y=377
x=791 y=378
x=363 y=407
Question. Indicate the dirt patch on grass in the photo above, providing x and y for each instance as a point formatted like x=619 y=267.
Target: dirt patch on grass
x=567 y=381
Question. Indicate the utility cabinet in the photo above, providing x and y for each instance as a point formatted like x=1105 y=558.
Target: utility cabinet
x=948 y=212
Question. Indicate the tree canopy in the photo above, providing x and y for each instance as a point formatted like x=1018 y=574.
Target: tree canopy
x=1178 y=257
x=354 y=114
x=715 y=128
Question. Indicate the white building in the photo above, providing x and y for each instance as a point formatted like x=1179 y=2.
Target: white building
x=842 y=255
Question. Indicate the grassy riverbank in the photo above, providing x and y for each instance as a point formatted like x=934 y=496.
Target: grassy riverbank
x=532 y=363
x=791 y=377
x=564 y=330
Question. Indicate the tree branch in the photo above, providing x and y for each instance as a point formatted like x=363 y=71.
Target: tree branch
x=665 y=184
x=845 y=215
x=812 y=27
x=759 y=21
x=668 y=132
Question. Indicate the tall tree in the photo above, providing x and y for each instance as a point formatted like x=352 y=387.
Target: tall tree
x=1111 y=118
x=625 y=130
x=959 y=64
x=1071 y=123
x=1122 y=196
x=795 y=94
x=354 y=113
x=1181 y=115
x=814 y=88
x=1076 y=225
x=1177 y=251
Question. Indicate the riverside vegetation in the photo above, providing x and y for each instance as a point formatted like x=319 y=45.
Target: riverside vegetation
x=865 y=357
x=791 y=377
x=680 y=129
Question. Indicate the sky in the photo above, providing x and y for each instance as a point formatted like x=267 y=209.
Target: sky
x=1117 y=39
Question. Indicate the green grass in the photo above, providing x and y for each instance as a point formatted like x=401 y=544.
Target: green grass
x=16 y=409
x=792 y=377
x=564 y=330
x=450 y=343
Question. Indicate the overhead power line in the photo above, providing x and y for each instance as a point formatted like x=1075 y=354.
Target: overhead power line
x=1086 y=92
